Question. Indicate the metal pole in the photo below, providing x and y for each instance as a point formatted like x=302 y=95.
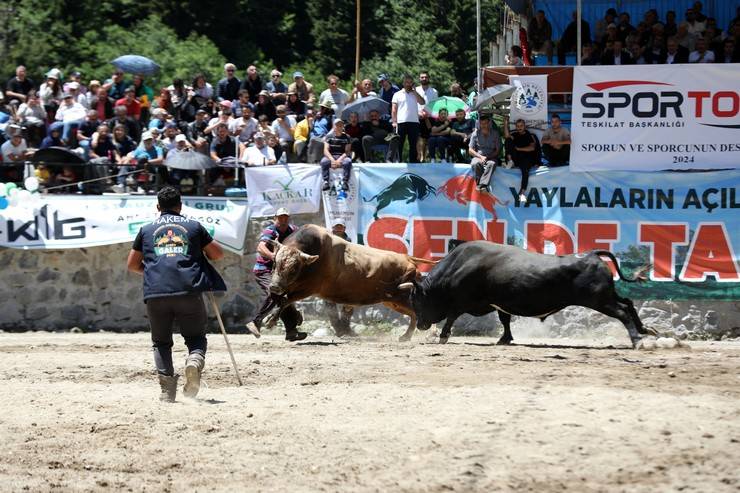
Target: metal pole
x=579 y=11
x=357 y=43
x=223 y=331
x=477 y=46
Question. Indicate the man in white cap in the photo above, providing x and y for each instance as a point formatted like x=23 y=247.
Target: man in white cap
x=278 y=231
x=260 y=154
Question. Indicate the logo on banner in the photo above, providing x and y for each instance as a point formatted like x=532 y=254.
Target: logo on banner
x=407 y=187
x=530 y=98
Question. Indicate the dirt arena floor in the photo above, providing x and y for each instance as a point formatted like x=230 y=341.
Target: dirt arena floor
x=79 y=412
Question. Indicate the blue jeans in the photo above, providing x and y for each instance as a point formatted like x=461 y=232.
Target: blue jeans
x=68 y=127
x=326 y=166
x=438 y=143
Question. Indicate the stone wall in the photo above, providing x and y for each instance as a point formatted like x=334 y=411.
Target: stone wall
x=90 y=288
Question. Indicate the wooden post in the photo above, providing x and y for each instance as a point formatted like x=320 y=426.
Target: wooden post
x=357 y=43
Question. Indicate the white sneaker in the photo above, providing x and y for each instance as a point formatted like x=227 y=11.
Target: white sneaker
x=117 y=188
x=522 y=198
x=509 y=164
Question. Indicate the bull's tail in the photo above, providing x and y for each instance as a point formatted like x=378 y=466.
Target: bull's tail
x=638 y=276
x=417 y=260
x=371 y=198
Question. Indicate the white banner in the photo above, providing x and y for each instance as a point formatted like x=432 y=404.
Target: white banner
x=344 y=205
x=529 y=100
x=294 y=186
x=60 y=221
x=656 y=117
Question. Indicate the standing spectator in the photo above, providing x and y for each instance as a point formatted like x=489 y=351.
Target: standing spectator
x=695 y=26
x=456 y=91
x=439 y=140
x=334 y=93
x=252 y=83
x=321 y=126
x=485 y=147
x=425 y=131
x=302 y=88
x=521 y=150
x=556 y=143
x=539 y=35
x=277 y=88
x=18 y=87
x=425 y=90
x=700 y=17
x=617 y=56
x=387 y=89
x=675 y=53
x=405 y=116
x=295 y=106
x=362 y=90
x=32 y=115
x=283 y=127
x=133 y=107
x=701 y=54
x=51 y=92
x=228 y=87
x=242 y=102
x=569 y=39
x=685 y=38
x=671 y=28
x=133 y=129
x=91 y=95
x=624 y=28
x=116 y=85
x=379 y=132
x=461 y=129
x=71 y=114
x=264 y=106
x=260 y=154
x=600 y=29
x=337 y=152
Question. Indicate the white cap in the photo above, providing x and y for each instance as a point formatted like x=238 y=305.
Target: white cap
x=338 y=221
x=181 y=138
x=146 y=136
x=282 y=212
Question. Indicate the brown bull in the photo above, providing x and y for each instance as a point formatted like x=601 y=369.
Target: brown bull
x=313 y=262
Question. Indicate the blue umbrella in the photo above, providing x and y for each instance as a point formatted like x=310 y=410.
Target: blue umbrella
x=136 y=64
x=364 y=106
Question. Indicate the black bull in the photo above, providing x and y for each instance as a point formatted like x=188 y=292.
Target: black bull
x=480 y=277
x=408 y=187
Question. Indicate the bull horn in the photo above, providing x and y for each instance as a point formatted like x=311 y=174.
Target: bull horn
x=309 y=258
x=406 y=286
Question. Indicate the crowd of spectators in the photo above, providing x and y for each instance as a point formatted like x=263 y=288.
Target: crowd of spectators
x=616 y=39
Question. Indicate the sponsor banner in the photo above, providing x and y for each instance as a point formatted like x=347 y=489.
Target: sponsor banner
x=344 y=205
x=529 y=100
x=75 y=222
x=655 y=117
x=294 y=186
x=685 y=226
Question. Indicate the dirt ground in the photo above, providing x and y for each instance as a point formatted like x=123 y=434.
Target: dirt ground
x=79 y=412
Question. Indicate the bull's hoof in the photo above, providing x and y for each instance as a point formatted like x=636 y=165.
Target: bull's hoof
x=443 y=339
x=504 y=342
x=405 y=338
x=651 y=332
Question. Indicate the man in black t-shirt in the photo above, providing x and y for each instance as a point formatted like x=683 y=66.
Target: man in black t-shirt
x=172 y=253
x=18 y=87
x=337 y=153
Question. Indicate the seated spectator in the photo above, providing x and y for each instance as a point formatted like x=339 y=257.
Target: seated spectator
x=183 y=179
x=201 y=87
x=116 y=85
x=701 y=54
x=656 y=52
x=354 y=130
x=224 y=116
x=71 y=114
x=264 y=126
x=252 y=83
x=238 y=105
x=164 y=102
x=51 y=93
x=18 y=87
x=695 y=26
x=87 y=129
x=102 y=146
x=685 y=38
x=461 y=129
x=322 y=125
x=260 y=154
x=133 y=129
x=277 y=89
x=714 y=40
x=32 y=115
x=180 y=96
x=74 y=90
x=485 y=147
x=303 y=89
x=337 y=152
x=729 y=53
x=125 y=146
x=570 y=37
x=264 y=106
x=102 y=104
x=170 y=134
x=589 y=55
x=295 y=106
x=159 y=118
x=196 y=132
x=617 y=56
x=675 y=53
x=521 y=151
x=145 y=95
x=227 y=88
x=301 y=134
x=54 y=137
x=223 y=145
x=133 y=107
x=244 y=128
x=635 y=53
x=91 y=96
x=379 y=132
x=362 y=90
x=334 y=93
x=15 y=150
x=149 y=153
x=387 y=89
x=283 y=127
x=556 y=143
x=439 y=138
x=539 y=35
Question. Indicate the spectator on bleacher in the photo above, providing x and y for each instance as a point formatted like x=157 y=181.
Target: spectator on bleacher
x=624 y=27
x=228 y=87
x=362 y=89
x=252 y=83
x=123 y=143
x=694 y=26
x=145 y=95
x=700 y=17
x=133 y=129
x=53 y=138
x=102 y=147
x=303 y=89
x=617 y=55
x=515 y=56
x=539 y=34
x=148 y=152
x=461 y=128
x=387 y=89
x=339 y=96
x=224 y=116
x=51 y=92
x=521 y=150
x=405 y=116
x=456 y=91
x=264 y=106
x=322 y=125
x=195 y=132
x=714 y=40
x=244 y=128
x=670 y=26
x=240 y=103
x=635 y=52
x=32 y=115
x=75 y=77
x=556 y=143
x=18 y=87
x=223 y=145
x=15 y=150
x=102 y=103
x=569 y=39
x=181 y=95
x=656 y=52
x=87 y=129
x=159 y=119
x=295 y=106
x=701 y=54
x=378 y=132
x=353 y=129
x=675 y=53
x=277 y=88
x=425 y=89
x=729 y=54
x=301 y=134
x=164 y=102
x=264 y=127
x=610 y=17
x=71 y=114
x=73 y=88
x=115 y=85
x=202 y=88
x=439 y=138
x=283 y=127
x=260 y=154
x=589 y=56
x=735 y=21
x=337 y=154
x=610 y=36
x=484 y=147
x=133 y=107
x=168 y=139
x=684 y=38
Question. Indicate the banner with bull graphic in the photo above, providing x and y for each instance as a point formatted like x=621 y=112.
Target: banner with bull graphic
x=656 y=117
x=685 y=225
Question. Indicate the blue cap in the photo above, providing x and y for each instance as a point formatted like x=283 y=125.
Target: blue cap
x=382 y=77
x=297 y=74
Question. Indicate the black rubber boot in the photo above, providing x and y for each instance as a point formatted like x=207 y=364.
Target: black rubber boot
x=193 y=369
x=168 y=384
x=294 y=335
